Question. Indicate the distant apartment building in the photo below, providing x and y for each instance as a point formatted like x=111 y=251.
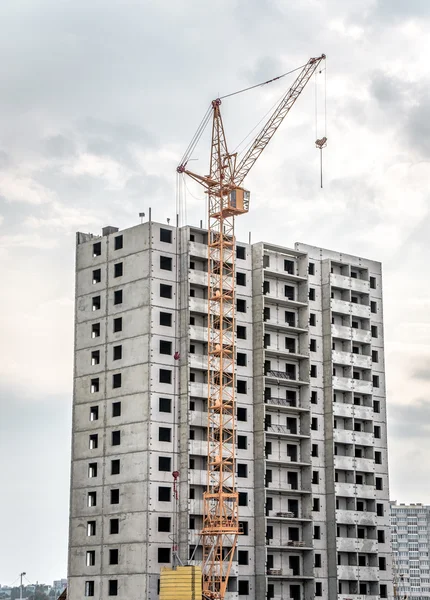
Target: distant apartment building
x=410 y=530
x=311 y=418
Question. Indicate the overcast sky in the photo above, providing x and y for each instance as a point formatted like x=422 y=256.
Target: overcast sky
x=99 y=100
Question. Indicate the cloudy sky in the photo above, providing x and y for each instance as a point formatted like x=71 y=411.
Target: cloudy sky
x=99 y=100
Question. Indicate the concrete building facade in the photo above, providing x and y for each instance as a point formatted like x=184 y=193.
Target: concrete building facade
x=311 y=418
x=410 y=525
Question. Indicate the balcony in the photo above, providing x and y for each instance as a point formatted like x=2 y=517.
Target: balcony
x=350 y=333
x=365 y=464
x=358 y=573
x=343 y=410
x=198 y=418
x=283 y=377
x=285 y=461
x=199 y=334
x=198 y=447
x=351 y=359
x=284 y=326
x=357 y=285
x=198 y=305
x=284 y=405
x=350 y=308
x=198 y=361
x=363 y=412
x=354 y=517
x=199 y=390
x=283 y=431
x=352 y=489
x=285 y=574
x=283 y=301
x=285 y=488
x=278 y=274
x=271 y=351
x=198 y=278
x=196 y=507
x=363 y=439
x=198 y=250
x=286 y=516
x=197 y=477
x=280 y=544
x=348 y=384
x=351 y=463
x=356 y=545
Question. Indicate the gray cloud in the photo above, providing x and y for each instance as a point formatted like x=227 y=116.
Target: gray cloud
x=398 y=9
x=410 y=420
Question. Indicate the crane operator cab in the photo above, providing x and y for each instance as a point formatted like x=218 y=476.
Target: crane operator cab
x=237 y=201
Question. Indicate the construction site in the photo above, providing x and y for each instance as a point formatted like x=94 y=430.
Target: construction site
x=229 y=413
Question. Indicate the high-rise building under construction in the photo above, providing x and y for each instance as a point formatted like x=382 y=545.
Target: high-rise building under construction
x=311 y=439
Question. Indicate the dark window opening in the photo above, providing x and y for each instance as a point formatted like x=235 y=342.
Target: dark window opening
x=241 y=332
x=117 y=297
x=164 y=494
x=97 y=276
x=164 y=434
x=165 y=263
x=165 y=405
x=166 y=236
x=114 y=496
x=114 y=526
x=96 y=302
x=165 y=347
x=241 y=278
x=166 y=319
x=164 y=524
x=116 y=438
x=165 y=290
x=164 y=463
x=165 y=376
x=97 y=249
x=117 y=380
x=118 y=244
x=240 y=252
x=118 y=270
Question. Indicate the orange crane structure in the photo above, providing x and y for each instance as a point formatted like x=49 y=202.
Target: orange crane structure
x=226 y=199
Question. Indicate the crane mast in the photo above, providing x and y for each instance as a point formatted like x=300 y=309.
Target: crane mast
x=226 y=199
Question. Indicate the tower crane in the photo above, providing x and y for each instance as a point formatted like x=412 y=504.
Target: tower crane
x=226 y=199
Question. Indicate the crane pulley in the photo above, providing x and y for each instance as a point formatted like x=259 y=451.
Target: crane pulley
x=227 y=198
